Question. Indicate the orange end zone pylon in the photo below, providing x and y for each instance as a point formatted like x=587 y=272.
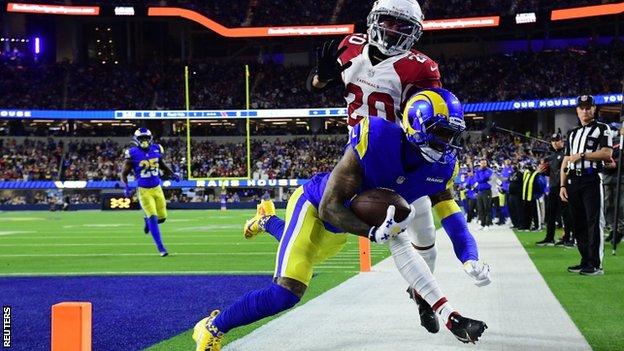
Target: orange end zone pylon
x=71 y=326
x=365 y=255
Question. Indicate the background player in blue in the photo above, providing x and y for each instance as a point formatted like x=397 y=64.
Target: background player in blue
x=146 y=161
x=380 y=154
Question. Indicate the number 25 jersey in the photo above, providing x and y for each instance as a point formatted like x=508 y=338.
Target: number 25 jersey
x=383 y=89
x=145 y=164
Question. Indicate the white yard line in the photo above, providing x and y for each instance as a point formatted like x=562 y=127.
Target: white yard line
x=371 y=311
x=137 y=244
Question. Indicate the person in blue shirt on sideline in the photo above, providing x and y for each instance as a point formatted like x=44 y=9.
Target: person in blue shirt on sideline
x=504 y=176
x=484 y=194
x=471 y=195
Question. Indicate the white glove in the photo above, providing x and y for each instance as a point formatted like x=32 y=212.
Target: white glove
x=479 y=271
x=390 y=228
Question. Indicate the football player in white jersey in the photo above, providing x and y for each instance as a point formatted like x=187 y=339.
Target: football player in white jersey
x=380 y=71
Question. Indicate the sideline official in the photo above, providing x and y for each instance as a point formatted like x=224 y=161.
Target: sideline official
x=589 y=146
x=555 y=208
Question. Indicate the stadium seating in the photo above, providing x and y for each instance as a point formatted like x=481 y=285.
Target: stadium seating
x=285 y=158
x=221 y=86
x=62 y=159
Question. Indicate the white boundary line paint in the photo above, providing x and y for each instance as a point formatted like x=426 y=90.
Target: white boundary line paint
x=257 y=243
x=371 y=311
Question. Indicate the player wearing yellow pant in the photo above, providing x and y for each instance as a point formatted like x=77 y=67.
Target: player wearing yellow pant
x=145 y=159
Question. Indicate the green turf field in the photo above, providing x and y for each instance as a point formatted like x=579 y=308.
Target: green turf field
x=595 y=304
x=113 y=243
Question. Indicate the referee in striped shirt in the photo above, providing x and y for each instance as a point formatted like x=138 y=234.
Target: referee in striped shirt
x=588 y=147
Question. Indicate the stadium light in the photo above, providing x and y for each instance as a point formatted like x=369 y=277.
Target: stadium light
x=529 y=17
x=37 y=45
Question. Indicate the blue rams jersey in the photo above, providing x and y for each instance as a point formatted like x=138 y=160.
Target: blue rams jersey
x=388 y=160
x=145 y=164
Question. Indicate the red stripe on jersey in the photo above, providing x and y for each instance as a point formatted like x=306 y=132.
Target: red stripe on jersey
x=355 y=45
x=417 y=71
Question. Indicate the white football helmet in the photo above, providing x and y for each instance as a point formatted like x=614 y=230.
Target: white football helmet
x=394 y=26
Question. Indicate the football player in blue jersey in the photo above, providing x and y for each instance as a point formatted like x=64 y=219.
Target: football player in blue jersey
x=146 y=161
x=435 y=190
x=380 y=154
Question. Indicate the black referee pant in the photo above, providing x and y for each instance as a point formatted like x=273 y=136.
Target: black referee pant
x=585 y=202
x=555 y=209
x=531 y=219
x=516 y=210
x=472 y=209
x=484 y=206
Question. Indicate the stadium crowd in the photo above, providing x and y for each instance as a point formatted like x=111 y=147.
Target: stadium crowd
x=86 y=159
x=520 y=75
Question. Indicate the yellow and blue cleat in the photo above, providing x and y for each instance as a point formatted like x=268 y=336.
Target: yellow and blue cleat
x=255 y=226
x=207 y=337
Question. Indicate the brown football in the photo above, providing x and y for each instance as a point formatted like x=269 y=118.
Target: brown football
x=371 y=206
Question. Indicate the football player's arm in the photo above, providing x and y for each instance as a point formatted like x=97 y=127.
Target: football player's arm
x=343 y=184
x=166 y=170
x=455 y=225
x=127 y=167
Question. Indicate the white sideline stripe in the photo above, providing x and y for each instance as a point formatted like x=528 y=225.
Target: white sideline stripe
x=371 y=311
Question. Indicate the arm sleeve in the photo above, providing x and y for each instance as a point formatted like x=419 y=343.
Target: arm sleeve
x=456 y=227
x=567 y=147
x=606 y=138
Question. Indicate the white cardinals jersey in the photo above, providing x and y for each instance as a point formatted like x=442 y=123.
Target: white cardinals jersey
x=383 y=89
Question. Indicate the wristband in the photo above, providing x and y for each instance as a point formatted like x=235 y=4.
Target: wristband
x=371 y=234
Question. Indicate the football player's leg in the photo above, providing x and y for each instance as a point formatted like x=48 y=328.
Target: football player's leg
x=415 y=271
x=422 y=232
x=148 y=203
x=292 y=273
x=275 y=226
x=264 y=220
x=161 y=205
x=422 y=235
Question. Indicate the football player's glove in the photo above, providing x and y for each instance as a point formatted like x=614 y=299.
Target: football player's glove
x=478 y=271
x=390 y=227
x=327 y=66
x=128 y=191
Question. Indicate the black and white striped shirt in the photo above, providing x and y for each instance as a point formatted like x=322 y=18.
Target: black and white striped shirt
x=589 y=138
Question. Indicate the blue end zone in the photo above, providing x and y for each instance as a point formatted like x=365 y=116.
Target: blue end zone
x=129 y=312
